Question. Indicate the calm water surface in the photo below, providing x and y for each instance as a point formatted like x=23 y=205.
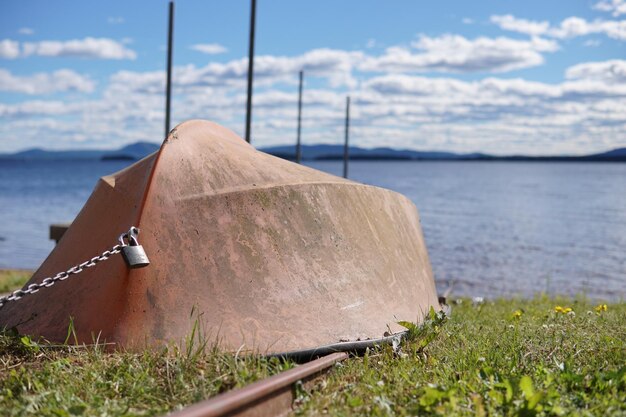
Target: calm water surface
x=492 y=228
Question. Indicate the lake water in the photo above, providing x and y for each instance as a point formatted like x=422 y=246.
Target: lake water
x=492 y=228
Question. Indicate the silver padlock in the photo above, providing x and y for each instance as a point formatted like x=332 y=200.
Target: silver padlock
x=133 y=253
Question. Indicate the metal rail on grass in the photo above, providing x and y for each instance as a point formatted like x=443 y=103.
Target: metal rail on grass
x=272 y=396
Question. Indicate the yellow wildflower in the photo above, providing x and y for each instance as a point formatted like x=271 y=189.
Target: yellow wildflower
x=517 y=314
x=563 y=310
x=600 y=308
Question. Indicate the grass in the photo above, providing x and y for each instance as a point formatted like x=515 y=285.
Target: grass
x=13 y=279
x=508 y=357
x=65 y=381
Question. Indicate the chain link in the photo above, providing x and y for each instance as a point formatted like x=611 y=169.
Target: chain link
x=61 y=276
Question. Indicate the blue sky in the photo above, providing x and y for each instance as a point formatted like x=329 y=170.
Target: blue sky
x=492 y=76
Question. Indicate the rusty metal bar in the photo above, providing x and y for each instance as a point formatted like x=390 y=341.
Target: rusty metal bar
x=298 y=144
x=271 y=396
x=250 y=70
x=168 y=84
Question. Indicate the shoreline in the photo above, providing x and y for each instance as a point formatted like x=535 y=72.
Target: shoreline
x=13 y=279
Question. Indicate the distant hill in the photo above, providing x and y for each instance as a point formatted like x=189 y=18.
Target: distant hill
x=132 y=152
x=615 y=153
x=333 y=152
x=319 y=152
x=41 y=154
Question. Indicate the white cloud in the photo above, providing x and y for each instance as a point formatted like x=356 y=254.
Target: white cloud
x=99 y=48
x=450 y=92
x=209 y=48
x=616 y=7
x=398 y=85
x=26 y=31
x=9 y=49
x=334 y=65
x=611 y=72
x=454 y=53
x=568 y=28
x=501 y=115
x=586 y=112
x=576 y=26
x=44 y=83
x=509 y=22
x=494 y=114
x=37 y=108
x=508 y=96
x=467 y=21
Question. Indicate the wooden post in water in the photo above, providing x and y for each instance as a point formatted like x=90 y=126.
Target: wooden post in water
x=250 y=69
x=346 y=149
x=168 y=83
x=298 y=144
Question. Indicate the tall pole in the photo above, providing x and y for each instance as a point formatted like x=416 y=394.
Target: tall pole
x=250 y=69
x=298 y=145
x=346 y=149
x=168 y=84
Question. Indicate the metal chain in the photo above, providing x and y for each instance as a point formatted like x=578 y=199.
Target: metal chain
x=61 y=276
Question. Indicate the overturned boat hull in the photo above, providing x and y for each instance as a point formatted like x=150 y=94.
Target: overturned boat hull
x=264 y=254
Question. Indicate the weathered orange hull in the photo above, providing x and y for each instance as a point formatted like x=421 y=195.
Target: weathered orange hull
x=271 y=255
